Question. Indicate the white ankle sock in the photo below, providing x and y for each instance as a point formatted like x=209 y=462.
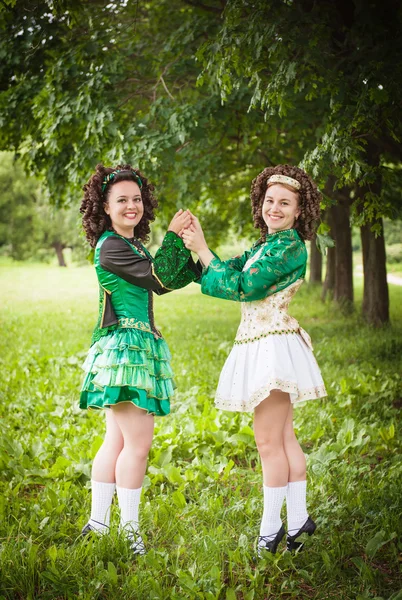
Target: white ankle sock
x=296 y=505
x=129 y=501
x=102 y=496
x=271 y=518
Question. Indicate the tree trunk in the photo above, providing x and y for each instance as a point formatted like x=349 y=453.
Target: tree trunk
x=59 y=247
x=375 y=291
x=329 y=282
x=343 y=292
x=339 y=277
x=315 y=263
x=375 y=295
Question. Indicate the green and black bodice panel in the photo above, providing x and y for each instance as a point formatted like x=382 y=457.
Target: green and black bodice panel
x=128 y=359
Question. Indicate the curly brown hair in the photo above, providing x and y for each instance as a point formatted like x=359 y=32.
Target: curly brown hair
x=309 y=199
x=94 y=219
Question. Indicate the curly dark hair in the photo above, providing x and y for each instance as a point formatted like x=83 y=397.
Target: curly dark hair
x=309 y=199
x=94 y=219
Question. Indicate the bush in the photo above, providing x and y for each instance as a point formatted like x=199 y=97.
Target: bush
x=394 y=253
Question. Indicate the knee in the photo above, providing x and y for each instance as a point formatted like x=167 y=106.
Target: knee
x=289 y=438
x=113 y=444
x=138 y=450
x=269 y=447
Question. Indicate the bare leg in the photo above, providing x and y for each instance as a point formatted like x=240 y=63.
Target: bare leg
x=269 y=424
x=294 y=453
x=104 y=465
x=137 y=428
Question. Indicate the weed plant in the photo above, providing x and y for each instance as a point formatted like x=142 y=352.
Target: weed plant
x=202 y=496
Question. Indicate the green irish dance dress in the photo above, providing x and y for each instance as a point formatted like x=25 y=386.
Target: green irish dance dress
x=128 y=360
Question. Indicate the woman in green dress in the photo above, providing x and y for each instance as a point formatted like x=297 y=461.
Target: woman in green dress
x=127 y=370
x=271 y=366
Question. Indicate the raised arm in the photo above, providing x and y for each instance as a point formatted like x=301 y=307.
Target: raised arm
x=172 y=267
x=117 y=256
x=173 y=264
x=275 y=269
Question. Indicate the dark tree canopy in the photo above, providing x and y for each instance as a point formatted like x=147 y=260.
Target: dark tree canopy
x=118 y=82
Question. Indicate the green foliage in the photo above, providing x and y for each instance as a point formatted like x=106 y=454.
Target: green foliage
x=123 y=88
x=144 y=83
x=343 y=61
x=30 y=227
x=17 y=208
x=201 y=503
x=394 y=253
x=393 y=231
x=323 y=239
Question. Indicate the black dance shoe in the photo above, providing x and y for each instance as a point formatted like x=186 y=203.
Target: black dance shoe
x=309 y=527
x=136 y=543
x=88 y=529
x=269 y=543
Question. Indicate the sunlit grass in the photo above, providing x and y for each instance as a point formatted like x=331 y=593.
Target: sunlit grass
x=202 y=493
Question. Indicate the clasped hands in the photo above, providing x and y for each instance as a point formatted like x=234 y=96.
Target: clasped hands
x=188 y=227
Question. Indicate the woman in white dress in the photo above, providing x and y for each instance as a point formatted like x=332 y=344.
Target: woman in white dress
x=271 y=365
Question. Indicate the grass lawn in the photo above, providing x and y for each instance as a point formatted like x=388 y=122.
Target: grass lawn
x=201 y=503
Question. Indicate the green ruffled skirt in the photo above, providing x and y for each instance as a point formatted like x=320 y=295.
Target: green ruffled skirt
x=128 y=365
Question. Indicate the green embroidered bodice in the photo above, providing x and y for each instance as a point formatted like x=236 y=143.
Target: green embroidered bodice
x=128 y=275
x=267 y=268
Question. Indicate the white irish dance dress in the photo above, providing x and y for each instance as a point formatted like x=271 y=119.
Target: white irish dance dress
x=271 y=351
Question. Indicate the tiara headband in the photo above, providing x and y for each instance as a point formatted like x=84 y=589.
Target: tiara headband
x=284 y=179
x=110 y=176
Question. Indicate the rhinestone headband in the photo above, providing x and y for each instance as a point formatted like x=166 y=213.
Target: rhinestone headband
x=110 y=176
x=284 y=179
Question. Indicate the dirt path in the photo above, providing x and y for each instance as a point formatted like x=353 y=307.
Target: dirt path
x=394 y=279
x=391 y=278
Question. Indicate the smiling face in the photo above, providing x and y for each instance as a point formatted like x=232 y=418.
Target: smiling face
x=280 y=208
x=124 y=207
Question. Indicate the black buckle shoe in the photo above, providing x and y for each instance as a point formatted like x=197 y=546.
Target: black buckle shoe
x=136 y=543
x=270 y=543
x=88 y=529
x=309 y=527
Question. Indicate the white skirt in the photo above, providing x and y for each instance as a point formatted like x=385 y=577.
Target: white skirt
x=276 y=362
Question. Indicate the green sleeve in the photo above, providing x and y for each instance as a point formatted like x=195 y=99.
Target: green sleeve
x=237 y=262
x=282 y=263
x=173 y=265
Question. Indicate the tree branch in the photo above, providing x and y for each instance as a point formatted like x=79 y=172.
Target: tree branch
x=388 y=145
x=183 y=145
x=163 y=81
x=203 y=6
x=165 y=87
